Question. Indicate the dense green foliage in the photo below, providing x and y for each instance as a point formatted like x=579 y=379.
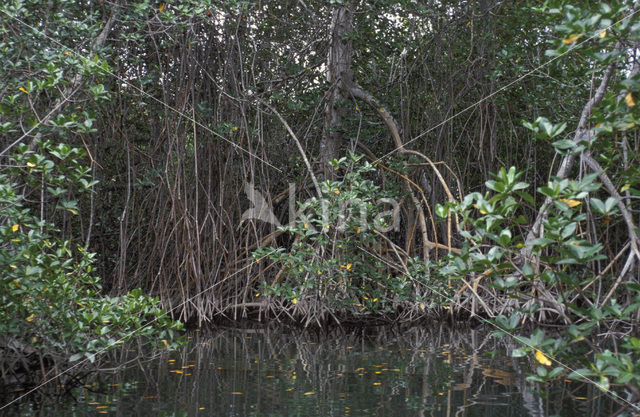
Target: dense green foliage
x=51 y=306
x=332 y=268
x=53 y=310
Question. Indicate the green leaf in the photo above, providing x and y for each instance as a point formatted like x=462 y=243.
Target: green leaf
x=633 y=286
x=540 y=241
x=76 y=357
x=581 y=374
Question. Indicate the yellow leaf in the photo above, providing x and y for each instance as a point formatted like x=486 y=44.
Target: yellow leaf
x=310 y=393
x=421 y=305
x=73 y=211
x=629 y=100
x=480 y=210
x=358 y=230
x=336 y=191
x=625 y=188
x=570 y=203
x=603 y=34
x=13 y=266
x=23 y=90
x=235 y=128
x=15 y=228
x=165 y=343
x=294 y=301
x=348 y=267
x=30 y=164
x=161 y=7
x=571 y=39
x=30 y=318
x=542 y=359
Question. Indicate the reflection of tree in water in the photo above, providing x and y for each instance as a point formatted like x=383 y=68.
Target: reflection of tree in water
x=434 y=371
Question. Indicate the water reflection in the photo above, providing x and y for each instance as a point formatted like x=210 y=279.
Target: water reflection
x=373 y=372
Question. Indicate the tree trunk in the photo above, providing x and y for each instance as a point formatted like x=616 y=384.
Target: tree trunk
x=340 y=76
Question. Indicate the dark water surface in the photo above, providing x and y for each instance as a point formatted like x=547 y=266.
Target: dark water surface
x=374 y=372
